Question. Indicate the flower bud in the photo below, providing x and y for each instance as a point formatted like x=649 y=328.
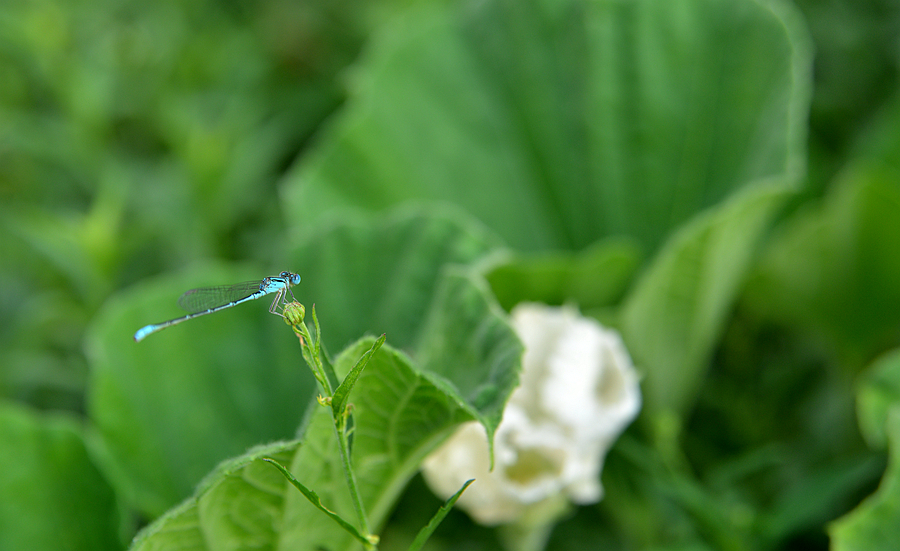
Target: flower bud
x=293 y=313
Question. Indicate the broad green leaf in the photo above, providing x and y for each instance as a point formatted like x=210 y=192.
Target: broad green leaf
x=51 y=494
x=379 y=276
x=593 y=278
x=832 y=270
x=874 y=523
x=169 y=408
x=877 y=394
x=559 y=123
x=237 y=506
x=398 y=415
x=673 y=317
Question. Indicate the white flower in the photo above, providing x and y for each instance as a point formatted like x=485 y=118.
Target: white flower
x=578 y=392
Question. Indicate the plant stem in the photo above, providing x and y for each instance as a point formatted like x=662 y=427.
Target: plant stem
x=344 y=444
x=311 y=350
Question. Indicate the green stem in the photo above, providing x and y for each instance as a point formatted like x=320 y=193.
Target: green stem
x=340 y=428
x=311 y=350
x=311 y=355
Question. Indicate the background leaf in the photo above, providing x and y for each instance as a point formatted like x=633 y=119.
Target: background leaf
x=831 y=271
x=583 y=119
x=379 y=275
x=594 y=278
x=878 y=393
x=870 y=526
x=675 y=314
x=51 y=494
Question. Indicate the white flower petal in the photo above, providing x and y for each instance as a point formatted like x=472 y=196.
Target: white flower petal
x=578 y=391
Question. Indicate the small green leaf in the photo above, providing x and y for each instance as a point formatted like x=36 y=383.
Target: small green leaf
x=435 y=521
x=342 y=393
x=593 y=278
x=878 y=393
x=873 y=524
x=314 y=499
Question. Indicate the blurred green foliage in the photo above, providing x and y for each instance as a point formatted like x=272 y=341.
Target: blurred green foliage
x=137 y=138
x=678 y=169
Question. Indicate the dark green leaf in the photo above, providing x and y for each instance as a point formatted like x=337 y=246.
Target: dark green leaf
x=832 y=270
x=673 y=317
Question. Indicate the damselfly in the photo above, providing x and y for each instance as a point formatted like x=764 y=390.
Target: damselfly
x=207 y=300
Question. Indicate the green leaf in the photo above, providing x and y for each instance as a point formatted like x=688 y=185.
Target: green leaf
x=874 y=523
x=675 y=314
x=832 y=270
x=51 y=494
x=877 y=394
x=379 y=276
x=559 y=123
x=593 y=278
x=399 y=416
x=435 y=521
x=238 y=505
x=342 y=393
x=168 y=409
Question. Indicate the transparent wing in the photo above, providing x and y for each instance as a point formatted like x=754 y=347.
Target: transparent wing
x=204 y=298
